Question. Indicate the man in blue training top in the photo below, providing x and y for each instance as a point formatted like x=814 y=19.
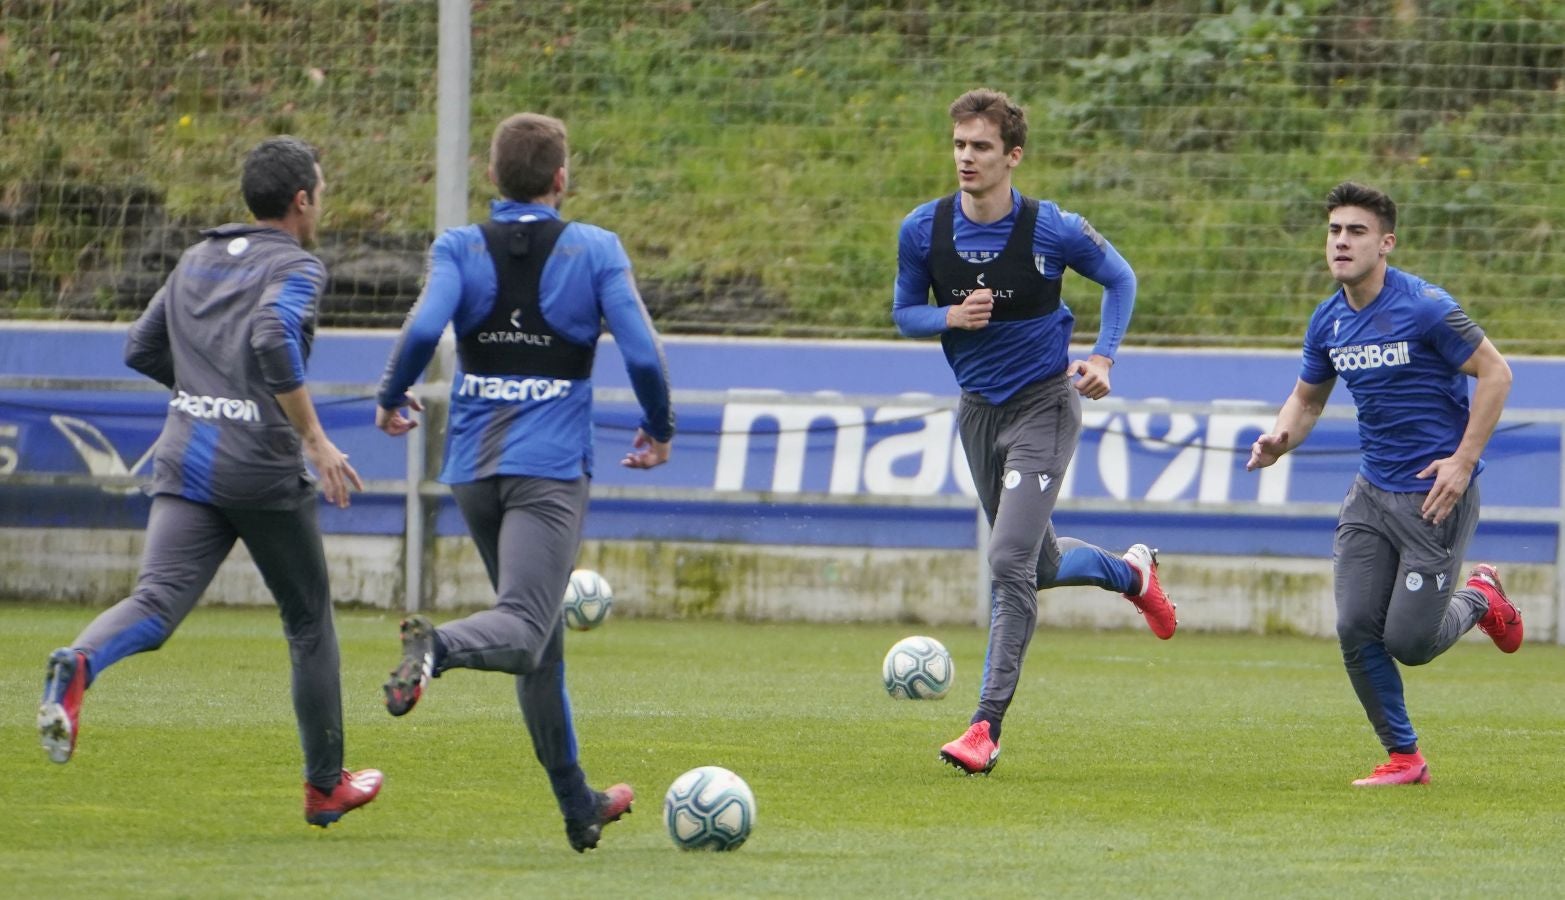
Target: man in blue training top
x=229 y=333
x=1404 y=348
x=994 y=260
x=526 y=293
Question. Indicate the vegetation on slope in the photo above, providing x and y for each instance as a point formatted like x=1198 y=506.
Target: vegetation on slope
x=757 y=158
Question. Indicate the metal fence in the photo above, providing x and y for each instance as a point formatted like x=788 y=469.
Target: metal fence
x=757 y=157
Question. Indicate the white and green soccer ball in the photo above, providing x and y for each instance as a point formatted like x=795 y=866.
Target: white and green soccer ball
x=917 y=668
x=709 y=808
x=588 y=599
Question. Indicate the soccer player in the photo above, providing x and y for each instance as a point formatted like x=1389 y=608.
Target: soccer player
x=994 y=260
x=1404 y=347
x=229 y=333
x=527 y=293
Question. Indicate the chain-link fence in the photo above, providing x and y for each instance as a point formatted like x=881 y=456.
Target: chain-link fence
x=758 y=157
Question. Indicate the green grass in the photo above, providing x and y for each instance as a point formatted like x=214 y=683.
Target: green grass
x=1206 y=766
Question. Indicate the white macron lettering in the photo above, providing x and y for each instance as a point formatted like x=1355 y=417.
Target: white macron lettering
x=513 y=390
x=201 y=406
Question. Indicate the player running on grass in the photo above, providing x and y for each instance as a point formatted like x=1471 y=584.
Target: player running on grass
x=994 y=260
x=527 y=293
x=230 y=332
x=1404 y=348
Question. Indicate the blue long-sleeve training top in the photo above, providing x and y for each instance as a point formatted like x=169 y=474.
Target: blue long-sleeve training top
x=586 y=282
x=998 y=360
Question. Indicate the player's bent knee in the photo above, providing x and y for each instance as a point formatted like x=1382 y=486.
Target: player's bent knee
x=524 y=660
x=1409 y=653
x=1351 y=636
x=1013 y=564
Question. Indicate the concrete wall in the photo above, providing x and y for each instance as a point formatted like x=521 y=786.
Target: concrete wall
x=755 y=582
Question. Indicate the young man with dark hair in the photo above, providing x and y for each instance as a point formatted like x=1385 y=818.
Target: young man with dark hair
x=526 y=293
x=1406 y=350
x=230 y=332
x=994 y=260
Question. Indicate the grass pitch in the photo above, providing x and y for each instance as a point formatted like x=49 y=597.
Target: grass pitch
x=1209 y=766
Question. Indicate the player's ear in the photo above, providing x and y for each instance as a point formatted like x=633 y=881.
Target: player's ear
x=1387 y=244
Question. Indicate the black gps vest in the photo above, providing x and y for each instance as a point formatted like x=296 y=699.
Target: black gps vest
x=1021 y=291
x=514 y=339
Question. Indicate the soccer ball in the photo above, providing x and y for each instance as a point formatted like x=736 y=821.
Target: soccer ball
x=709 y=808
x=588 y=599
x=917 y=668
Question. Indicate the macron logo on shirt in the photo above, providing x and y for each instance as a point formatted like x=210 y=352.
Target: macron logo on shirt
x=201 y=406
x=1372 y=356
x=511 y=389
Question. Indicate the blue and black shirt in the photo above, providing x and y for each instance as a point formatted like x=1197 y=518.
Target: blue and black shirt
x=505 y=419
x=1020 y=346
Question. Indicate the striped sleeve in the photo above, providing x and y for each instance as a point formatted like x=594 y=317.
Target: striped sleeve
x=283 y=324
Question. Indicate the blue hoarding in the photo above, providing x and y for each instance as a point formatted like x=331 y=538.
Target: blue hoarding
x=890 y=456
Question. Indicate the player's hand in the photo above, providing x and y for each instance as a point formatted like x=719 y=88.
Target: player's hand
x=332 y=466
x=1094 y=371
x=646 y=452
x=393 y=422
x=973 y=312
x=1267 y=449
x=1452 y=477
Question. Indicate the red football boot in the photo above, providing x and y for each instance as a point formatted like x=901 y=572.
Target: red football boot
x=612 y=804
x=353 y=791
x=1151 y=601
x=973 y=752
x=1503 y=622
x=1402 y=768
x=59 y=712
x=407 y=680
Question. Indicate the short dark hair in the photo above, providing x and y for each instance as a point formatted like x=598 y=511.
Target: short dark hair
x=528 y=148
x=1351 y=193
x=275 y=171
x=995 y=107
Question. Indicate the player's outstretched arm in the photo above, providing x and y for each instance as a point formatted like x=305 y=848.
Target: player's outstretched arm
x=422 y=332
x=639 y=345
x=1453 y=474
x=1295 y=421
x=331 y=465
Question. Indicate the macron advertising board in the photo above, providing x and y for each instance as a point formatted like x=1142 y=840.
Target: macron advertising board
x=782 y=426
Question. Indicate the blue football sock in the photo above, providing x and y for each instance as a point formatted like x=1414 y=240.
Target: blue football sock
x=1098 y=567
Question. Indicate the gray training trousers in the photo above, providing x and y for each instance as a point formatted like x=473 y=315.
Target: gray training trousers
x=528 y=531
x=186 y=542
x=1018 y=451
x=1396 y=589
